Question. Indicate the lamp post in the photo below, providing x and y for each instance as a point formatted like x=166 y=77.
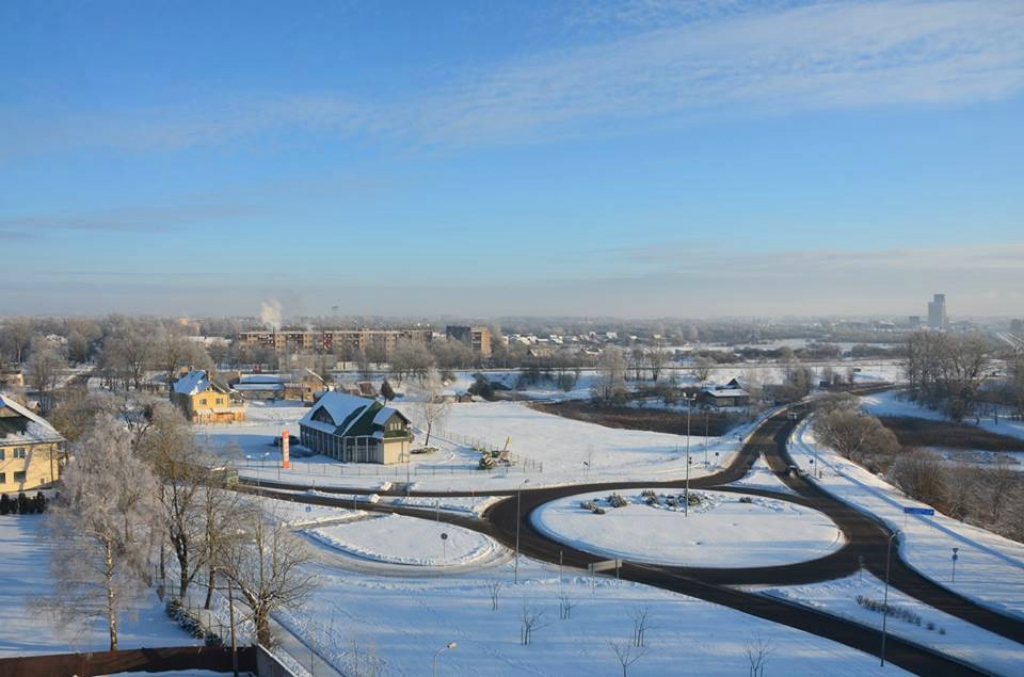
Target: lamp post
x=519 y=502
x=686 y=494
x=953 y=580
x=433 y=663
x=885 y=599
x=705 y=436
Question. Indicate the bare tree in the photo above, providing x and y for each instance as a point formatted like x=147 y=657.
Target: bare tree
x=531 y=620
x=637 y=360
x=172 y=351
x=493 y=589
x=702 y=368
x=411 y=358
x=43 y=369
x=105 y=522
x=920 y=475
x=641 y=623
x=222 y=515
x=15 y=339
x=268 y=566
x=610 y=384
x=565 y=606
x=170 y=447
x=433 y=410
x=759 y=650
x=657 y=356
x=627 y=653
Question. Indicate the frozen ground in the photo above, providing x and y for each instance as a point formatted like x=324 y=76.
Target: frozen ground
x=558 y=451
x=762 y=477
x=890 y=403
x=949 y=635
x=989 y=569
x=720 y=532
x=399 y=624
x=396 y=539
x=25 y=574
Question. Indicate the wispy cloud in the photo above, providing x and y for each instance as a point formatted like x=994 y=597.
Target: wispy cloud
x=127 y=220
x=680 y=62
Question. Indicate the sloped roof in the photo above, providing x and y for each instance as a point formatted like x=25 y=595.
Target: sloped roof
x=727 y=392
x=35 y=428
x=352 y=416
x=192 y=383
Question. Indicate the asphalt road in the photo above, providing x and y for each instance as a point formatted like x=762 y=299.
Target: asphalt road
x=867 y=538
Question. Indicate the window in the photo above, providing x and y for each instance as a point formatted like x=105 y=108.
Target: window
x=3 y=478
x=19 y=452
x=19 y=476
x=203 y=401
x=3 y=453
x=220 y=400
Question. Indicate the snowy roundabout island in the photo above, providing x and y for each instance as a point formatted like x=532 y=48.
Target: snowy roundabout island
x=723 y=529
x=395 y=539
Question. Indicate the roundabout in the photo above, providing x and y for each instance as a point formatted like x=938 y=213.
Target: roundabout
x=721 y=529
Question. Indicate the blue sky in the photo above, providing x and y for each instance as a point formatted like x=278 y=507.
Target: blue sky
x=639 y=158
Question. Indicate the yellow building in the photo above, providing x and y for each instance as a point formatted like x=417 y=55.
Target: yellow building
x=31 y=450
x=204 y=401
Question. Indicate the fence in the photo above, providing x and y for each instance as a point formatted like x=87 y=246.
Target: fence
x=476 y=443
x=165 y=659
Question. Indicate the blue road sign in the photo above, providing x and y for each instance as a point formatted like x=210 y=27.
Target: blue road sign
x=919 y=511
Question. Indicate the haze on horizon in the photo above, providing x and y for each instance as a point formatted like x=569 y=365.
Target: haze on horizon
x=634 y=159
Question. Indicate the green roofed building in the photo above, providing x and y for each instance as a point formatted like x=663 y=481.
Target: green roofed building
x=356 y=430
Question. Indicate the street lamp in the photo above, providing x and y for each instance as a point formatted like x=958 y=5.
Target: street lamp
x=433 y=663
x=885 y=600
x=686 y=502
x=519 y=502
x=954 y=564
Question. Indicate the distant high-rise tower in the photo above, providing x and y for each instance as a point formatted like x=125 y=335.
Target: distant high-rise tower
x=937 y=312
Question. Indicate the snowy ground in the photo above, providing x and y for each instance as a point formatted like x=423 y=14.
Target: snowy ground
x=762 y=477
x=890 y=403
x=399 y=624
x=396 y=539
x=556 y=450
x=989 y=569
x=720 y=532
x=25 y=575
x=949 y=635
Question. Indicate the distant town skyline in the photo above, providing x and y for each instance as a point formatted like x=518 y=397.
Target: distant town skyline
x=628 y=159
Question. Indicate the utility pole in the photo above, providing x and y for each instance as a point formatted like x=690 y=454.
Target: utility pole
x=885 y=600
x=686 y=496
x=519 y=501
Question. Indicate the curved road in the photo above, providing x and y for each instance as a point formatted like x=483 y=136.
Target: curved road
x=866 y=536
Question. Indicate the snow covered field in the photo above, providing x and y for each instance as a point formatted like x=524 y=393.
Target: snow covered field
x=990 y=568
x=949 y=635
x=25 y=575
x=890 y=403
x=558 y=447
x=396 y=539
x=722 y=531
x=398 y=625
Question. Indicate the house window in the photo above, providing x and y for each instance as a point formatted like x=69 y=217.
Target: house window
x=19 y=452
x=3 y=478
x=220 y=400
x=3 y=453
x=203 y=401
x=19 y=476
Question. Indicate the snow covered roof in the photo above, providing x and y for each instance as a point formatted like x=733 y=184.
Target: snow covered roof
x=261 y=379
x=351 y=416
x=24 y=425
x=192 y=383
x=726 y=392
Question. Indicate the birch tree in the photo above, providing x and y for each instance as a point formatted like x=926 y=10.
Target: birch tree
x=105 y=522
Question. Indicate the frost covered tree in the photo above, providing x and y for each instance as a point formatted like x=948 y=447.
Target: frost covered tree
x=42 y=371
x=268 y=565
x=179 y=463
x=106 y=520
x=610 y=383
x=433 y=410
